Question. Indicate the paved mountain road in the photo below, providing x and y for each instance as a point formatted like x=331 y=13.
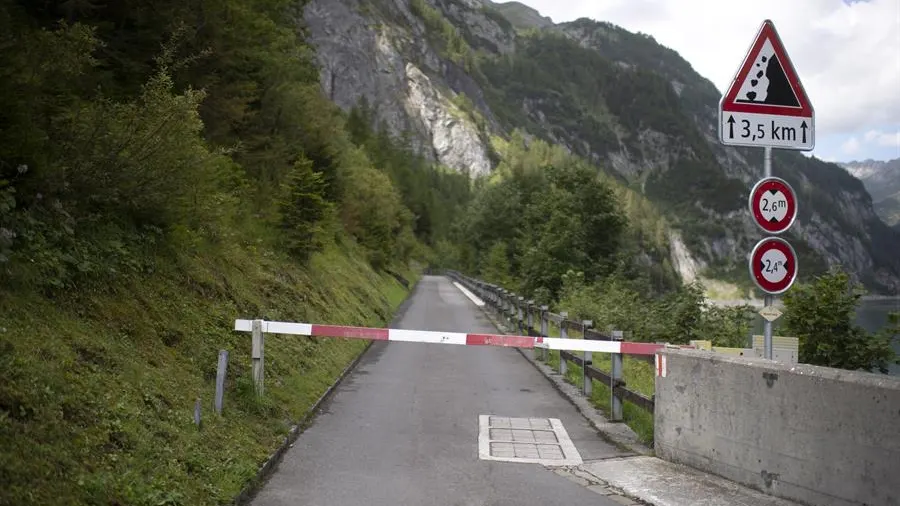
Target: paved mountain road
x=402 y=429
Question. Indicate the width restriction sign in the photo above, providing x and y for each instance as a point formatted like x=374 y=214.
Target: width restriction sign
x=766 y=105
x=773 y=205
x=773 y=265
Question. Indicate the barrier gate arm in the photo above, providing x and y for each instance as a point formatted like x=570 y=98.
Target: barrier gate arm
x=457 y=338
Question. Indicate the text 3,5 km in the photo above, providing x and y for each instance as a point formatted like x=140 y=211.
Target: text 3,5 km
x=760 y=131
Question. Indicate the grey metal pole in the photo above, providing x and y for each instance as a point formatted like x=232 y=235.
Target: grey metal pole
x=769 y=300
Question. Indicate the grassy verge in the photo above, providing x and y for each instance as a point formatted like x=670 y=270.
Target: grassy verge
x=639 y=377
x=97 y=390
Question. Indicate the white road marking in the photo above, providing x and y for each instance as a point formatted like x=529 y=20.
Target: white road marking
x=526 y=440
x=478 y=302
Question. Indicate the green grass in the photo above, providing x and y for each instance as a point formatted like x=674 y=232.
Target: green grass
x=97 y=390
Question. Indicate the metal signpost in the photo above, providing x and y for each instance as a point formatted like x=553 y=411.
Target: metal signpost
x=766 y=106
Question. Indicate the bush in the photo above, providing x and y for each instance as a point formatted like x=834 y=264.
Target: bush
x=822 y=313
x=679 y=316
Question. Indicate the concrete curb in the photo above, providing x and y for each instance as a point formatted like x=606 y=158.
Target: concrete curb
x=267 y=469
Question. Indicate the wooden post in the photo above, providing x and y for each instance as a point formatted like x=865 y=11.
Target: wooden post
x=587 y=385
x=529 y=316
x=258 y=356
x=615 y=376
x=197 y=412
x=563 y=333
x=507 y=307
x=520 y=314
x=544 y=331
x=529 y=326
x=220 y=380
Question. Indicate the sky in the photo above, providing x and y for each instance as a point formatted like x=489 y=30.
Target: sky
x=846 y=52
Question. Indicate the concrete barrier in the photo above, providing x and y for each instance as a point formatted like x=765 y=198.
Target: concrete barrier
x=817 y=435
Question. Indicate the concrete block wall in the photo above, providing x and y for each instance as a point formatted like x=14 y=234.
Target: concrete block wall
x=816 y=435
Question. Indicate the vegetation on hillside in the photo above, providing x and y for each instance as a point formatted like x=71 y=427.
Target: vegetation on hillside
x=165 y=169
x=822 y=315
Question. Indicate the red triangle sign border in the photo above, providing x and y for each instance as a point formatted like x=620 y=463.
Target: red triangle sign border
x=767 y=32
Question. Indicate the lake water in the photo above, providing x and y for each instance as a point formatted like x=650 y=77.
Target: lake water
x=871 y=315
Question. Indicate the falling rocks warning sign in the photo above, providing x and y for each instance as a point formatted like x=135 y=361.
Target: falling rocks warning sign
x=766 y=105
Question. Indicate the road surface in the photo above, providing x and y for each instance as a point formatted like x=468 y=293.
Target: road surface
x=402 y=429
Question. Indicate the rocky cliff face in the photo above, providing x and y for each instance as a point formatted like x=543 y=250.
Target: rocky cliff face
x=454 y=73
x=882 y=181
x=376 y=51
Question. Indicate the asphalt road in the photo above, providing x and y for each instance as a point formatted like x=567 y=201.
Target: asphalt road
x=402 y=429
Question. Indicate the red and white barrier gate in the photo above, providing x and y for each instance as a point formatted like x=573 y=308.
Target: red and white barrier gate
x=458 y=338
x=261 y=327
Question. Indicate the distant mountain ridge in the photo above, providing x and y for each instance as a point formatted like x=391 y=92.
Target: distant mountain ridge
x=882 y=181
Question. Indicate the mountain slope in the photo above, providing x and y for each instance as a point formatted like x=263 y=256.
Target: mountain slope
x=458 y=74
x=521 y=15
x=882 y=181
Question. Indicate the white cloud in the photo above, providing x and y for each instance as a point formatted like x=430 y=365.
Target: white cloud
x=847 y=55
x=851 y=146
x=886 y=139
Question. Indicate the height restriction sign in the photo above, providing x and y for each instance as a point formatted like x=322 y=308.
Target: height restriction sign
x=773 y=205
x=773 y=265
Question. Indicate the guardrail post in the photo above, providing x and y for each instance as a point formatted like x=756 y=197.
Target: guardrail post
x=585 y=379
x=529 y=318
x=563 y=333
x=615 y=379
x=544 y=330
x=529 y=325
x=257 y=354
x=520 y=316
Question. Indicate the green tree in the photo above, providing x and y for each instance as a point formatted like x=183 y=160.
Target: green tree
x=822 y=313
x=303 y=209
x=727 y=326
x=496 y=267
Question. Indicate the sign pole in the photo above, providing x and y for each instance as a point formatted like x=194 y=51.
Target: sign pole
x=769 y=299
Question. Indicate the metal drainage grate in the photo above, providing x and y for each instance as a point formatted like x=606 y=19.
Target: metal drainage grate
x=527 y=440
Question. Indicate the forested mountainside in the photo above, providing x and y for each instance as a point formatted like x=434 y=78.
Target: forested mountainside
x=460 y=76
x=882 y=180
x=165 y=168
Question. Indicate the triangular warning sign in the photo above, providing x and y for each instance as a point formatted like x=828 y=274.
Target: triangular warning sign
x=766 y=82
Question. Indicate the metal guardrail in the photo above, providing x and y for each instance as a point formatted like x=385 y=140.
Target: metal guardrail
x=516 y=310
